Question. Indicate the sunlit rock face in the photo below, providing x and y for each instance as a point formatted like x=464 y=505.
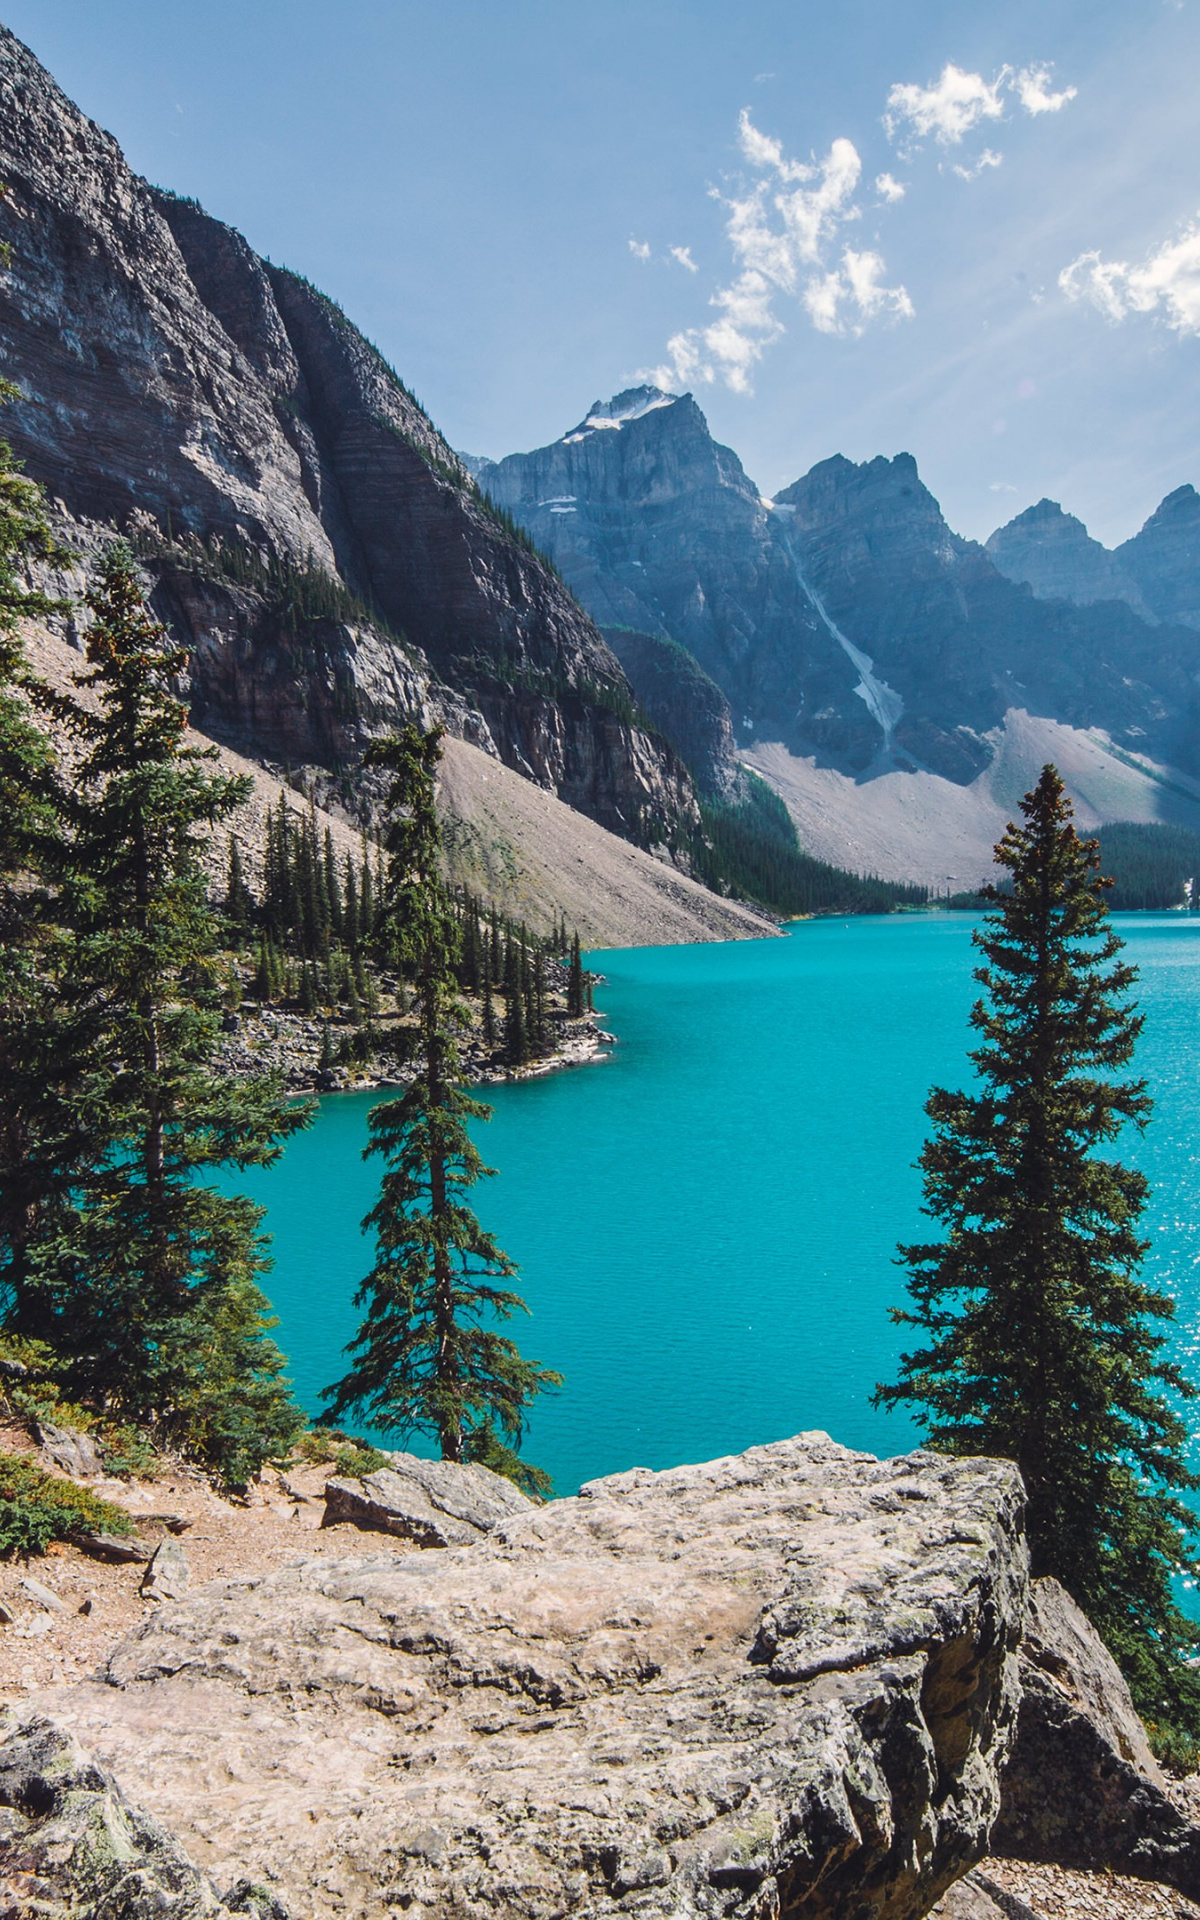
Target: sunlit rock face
x=783 y=1682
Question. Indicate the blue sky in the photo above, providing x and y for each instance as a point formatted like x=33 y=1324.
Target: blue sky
x=528 y=206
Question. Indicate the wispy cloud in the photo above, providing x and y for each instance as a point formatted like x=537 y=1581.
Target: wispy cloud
x=888 y=188
x=640 y=249
x=684 y=256
x=1167 y=282
x=784 y=230
x=957 y=102
x=986 y=159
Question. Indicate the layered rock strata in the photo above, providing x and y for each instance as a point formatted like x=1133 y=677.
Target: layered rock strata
x=778 y=1683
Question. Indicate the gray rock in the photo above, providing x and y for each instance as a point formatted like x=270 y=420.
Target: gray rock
x=433 y=1502
x=785 y=1677
x=120 y=1548
x=70 y=1451
x=72 y=1845
x=168 y=1576
x=45 y=1596
x=977 y=1897
x=1082 y=1788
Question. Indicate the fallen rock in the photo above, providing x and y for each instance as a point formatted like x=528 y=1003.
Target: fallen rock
x=1082 y=1788
x=120 y=1548
x=71 y=1451
x=168 y=1576
x=433 y=1502
x=45 y=1596
x=780 y=1681
x=71 y=1844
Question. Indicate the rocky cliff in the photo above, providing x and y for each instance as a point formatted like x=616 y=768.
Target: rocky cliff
x=167 y=372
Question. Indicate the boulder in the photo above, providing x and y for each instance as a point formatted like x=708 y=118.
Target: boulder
x=1082 y=1788
x=433 y=1502
x=168 y=1576
x=779 y=1682
x=72 y=1845
x=70 y=1451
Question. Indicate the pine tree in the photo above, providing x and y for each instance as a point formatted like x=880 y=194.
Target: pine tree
x=239 y=901
x=1042 y=1342
x=39 y=1141
x=576 y=1000
x=426 y=1360
x=156 y=1266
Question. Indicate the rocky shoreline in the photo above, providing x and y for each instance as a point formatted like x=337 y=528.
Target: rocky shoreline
x=273 y=1040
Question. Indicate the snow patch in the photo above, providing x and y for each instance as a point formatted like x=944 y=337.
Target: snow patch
x=612 y=415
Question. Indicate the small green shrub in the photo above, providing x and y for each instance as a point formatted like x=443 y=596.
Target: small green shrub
x=322 y=1446
x=37 y=1507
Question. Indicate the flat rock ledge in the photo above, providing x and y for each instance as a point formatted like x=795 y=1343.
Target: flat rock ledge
x=779 y=1684
x=435 y=1503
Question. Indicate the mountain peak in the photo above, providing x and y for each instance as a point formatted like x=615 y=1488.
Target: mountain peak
x=611 y=415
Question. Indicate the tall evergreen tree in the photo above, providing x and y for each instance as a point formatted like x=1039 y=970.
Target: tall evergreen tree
x=576 y=1000
x=1042 y=1343
x=153 y=1283
x=39 y=1140
x=427 y=1358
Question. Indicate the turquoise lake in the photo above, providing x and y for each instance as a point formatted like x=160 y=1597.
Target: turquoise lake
x=706 y=1223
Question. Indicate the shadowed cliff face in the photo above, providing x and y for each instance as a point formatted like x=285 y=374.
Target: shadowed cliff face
x=960 y=643
x=166 y=370
x=1164 y=558
x=1053 y=553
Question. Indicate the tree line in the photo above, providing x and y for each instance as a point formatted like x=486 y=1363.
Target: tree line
x=126 y=1269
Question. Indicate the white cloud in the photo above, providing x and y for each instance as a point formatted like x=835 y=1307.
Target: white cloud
x=889 y=188
x=1033 y=90
x=640 y=249
x=684 y=257
x=948 y=108
x=1167 y=282
x=785 y=231
x=1001 y=486
x=986 y=159
x=953 y=105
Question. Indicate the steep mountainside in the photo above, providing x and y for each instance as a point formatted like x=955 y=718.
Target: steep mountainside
x=658 y=527
x=960 y=645
x=682 y=701
x=1053 y=553
x=167 y=372
x=1164 y=558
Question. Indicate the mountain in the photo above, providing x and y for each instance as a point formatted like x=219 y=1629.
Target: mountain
x=328 y=556
x=656 y=526
x=893 y=680
x=1053 y=553
x=1164 y=558
x=959 y=644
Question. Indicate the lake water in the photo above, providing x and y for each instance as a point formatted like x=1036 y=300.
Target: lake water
x=706 y=1223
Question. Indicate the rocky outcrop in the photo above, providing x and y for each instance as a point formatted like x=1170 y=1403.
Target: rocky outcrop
x=432 y=1502
x=168 y=373
x=1053 y=553
x=777 y=1683
x=1164 y=558
x=72 y=1845
x=1082 y=1788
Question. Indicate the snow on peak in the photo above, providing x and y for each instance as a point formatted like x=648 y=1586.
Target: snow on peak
x=611 y=415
